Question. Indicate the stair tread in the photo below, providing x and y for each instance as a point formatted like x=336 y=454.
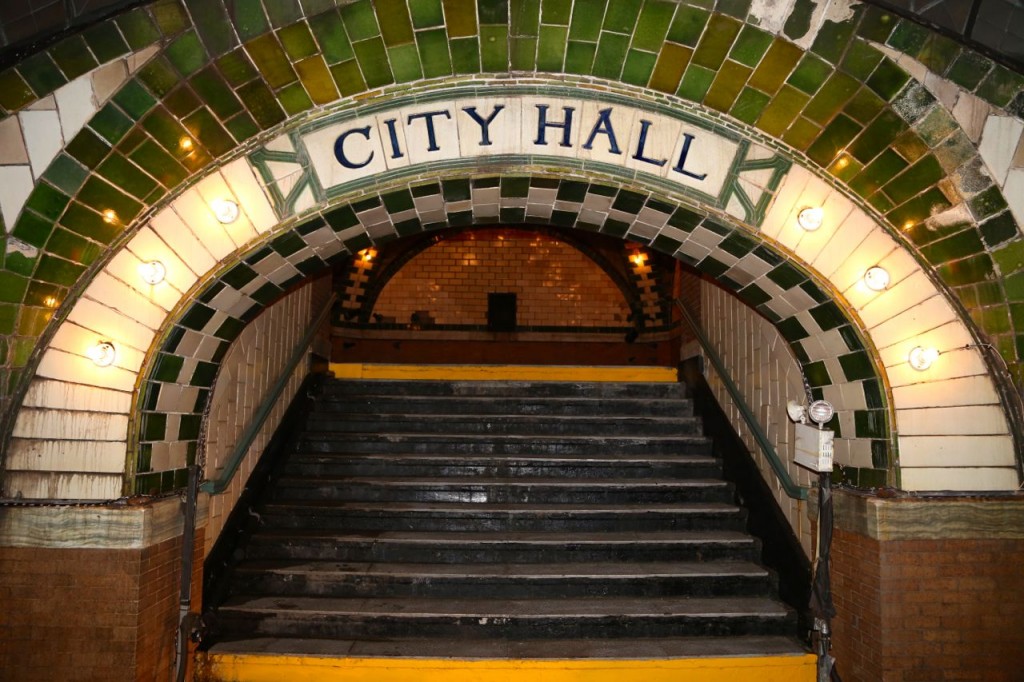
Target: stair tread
x=659 y=648
x=537 y=481
x=597 y=607
x=510 y=508
x=456 y=458
x=566 y=570
x=511 y=537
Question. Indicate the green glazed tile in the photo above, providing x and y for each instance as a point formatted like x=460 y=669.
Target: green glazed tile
x=974 y=270
x=775 y=67
x=134 y=99
x=638 y=67
x=832 y=39
x=611 y=55
x=668 y=71
x=460 y=17
x=688 y=25
x=465 y=55
x=832 y=96
x=164 y=128
x=66 y=174
x=159 y=76
x=493 y=12
x=330 y=33
x=556 y=12
x=186 y=54
x=348 y=78
x=395 y=22
x=962 y=245
x=621 y=16
x=210 y=20
x=969 y=69
x=182 y=101
x=73 y=57
x=297 y=41
x=587 y=17
x=405 y=63
x=750 y=46
x=294 y=99
x=102 y=196
x=360 y=20
x=857 y=366
x=105 y=41
x=734 y=8
x=925 y=173
x=242 y=127
x=87 y=148
x=798 y=23
x=433 y=50
x=373 y=62
x=317 y=80
x=876 y=24
x=14 y=91
x=1000 y=229
x=47 y=201
x=1000 y=86
x=716 y=41
x=914 y=211
x=833 y=139
x=159 y=163
x=910 y=146
x=494 y=48
x=877 y=136
x=12 y=287
x=938 y=53
x=8 y=313
x=524 y=17
x=749 y=105
x=215 y=92
x=810 y=74
x=72 y=247
x=727 y=85
x=32 y=229
x=864 y=105
x=861 y=59
x=908 y=37
x=261 y=103
x=41 y=74
x=696 y=83
x=782 y=110
x=937 y=126
x=111 y=123
x=987 y=203
x=283 y=12
x=428 y=13
x=801 y=134
x=817 y=374
x=270 y=59
x=523 y=55
x=653 y=25
x=205 y=127
x=887 y=79
x=58 y=271
x=125 y=175
x=579 y=57
x=249 y=19
x=170 y=17
x=551 y=47
x=138 y=29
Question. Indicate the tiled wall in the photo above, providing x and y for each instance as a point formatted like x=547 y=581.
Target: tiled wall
x=556 y=285
x=253 y=364
x=903 y=135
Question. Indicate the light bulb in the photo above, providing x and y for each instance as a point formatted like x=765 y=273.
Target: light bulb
x=820 y=411
x=226 y=210
x=811 y=218
x=876 y=278
x=152 y=272
x=102 y=354
x=921 y=358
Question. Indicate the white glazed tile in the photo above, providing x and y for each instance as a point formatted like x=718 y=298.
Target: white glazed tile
x=16 y=185
x=956 y=450
x=998 y=144
x=959 y=478
x=42 y=138
x=12 y=144
x=75 y=105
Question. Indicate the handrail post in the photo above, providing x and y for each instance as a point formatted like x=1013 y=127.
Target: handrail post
x=797 y=492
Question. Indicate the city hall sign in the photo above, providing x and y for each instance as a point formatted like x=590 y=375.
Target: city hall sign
x=343 y=152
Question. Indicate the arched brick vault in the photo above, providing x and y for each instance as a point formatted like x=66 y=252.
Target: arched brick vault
x=875 y=142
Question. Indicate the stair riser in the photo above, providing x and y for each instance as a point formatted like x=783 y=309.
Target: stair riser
x=469 y=523
x=504 y=389
x=509 y=588
x=377 y=405
x=580 y=446
x=498 y=553
x=498 y=426
x=340 y=468
x=326 y=626
x=520 y=494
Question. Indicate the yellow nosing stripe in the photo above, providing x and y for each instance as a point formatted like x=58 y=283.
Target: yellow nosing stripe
x=274 y=668
x=503 y=372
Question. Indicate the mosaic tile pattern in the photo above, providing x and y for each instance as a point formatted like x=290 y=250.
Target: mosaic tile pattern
x=848 y=104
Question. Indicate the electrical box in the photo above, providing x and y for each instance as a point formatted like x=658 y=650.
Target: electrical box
x=814 y=447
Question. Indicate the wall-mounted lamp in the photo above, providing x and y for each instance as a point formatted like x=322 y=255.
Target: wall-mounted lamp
x=225 y=210
x=820 y=412
x=152 y=272
x=876 y=278
x=921 y=358
x=811 y=218
x=102 y=354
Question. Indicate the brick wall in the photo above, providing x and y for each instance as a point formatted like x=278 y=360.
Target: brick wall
x=556 y=284
x=928 y=610
x=91 y=614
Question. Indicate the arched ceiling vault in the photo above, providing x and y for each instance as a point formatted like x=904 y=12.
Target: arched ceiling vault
x=836 y=123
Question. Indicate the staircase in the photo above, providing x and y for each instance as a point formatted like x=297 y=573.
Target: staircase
x=531 y=521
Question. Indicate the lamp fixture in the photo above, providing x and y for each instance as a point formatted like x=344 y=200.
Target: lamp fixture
x=225 y=210
x=876 y=278
x=110 y=216
x=819 y=411
x=921 y=358
x=152 y=272
x=368 y=254
x=811 y=218
x=102 y=354
x=638 y=259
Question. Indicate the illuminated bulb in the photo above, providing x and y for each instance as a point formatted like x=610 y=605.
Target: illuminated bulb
x=368 y=254
x=820 y=411
x=186 y=144
x=811 y=218
x=103 y=354
x=50 y=301
x=876 y=278
x=226 y=210
x=637 y=258
x=152 y=272
x=922 y=358
x=110 y=216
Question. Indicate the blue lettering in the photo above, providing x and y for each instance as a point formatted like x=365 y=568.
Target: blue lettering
x=339 y=147
x=429 y=117
x=484 y=123
x=543 y=124
x=604 y=127
x=684 y=152
x=642 y=142
x=396 y=151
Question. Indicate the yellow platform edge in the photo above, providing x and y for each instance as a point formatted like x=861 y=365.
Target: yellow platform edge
x=274 y=668
x=617 y=373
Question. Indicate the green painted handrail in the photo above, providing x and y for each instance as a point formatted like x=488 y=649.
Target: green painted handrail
x=797 y=492
x=215 y=487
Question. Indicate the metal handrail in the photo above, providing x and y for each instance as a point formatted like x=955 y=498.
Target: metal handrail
x=219 y=485
x=795 y=491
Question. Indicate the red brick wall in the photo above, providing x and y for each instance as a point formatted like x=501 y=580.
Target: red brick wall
x=928 y=610
x=90 y=614
x=556 y=284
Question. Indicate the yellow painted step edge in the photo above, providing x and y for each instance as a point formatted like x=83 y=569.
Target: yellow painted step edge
x=503 y=372
x=275 y=668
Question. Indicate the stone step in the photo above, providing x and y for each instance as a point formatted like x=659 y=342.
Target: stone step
x=461 y=547
x=501 y=581
x=358 y=443
x=482 y=490
x=495 y=425
x=551 y=406
x=607 y=617
x=518 y=389
x=440 y=516
x=578 y=466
